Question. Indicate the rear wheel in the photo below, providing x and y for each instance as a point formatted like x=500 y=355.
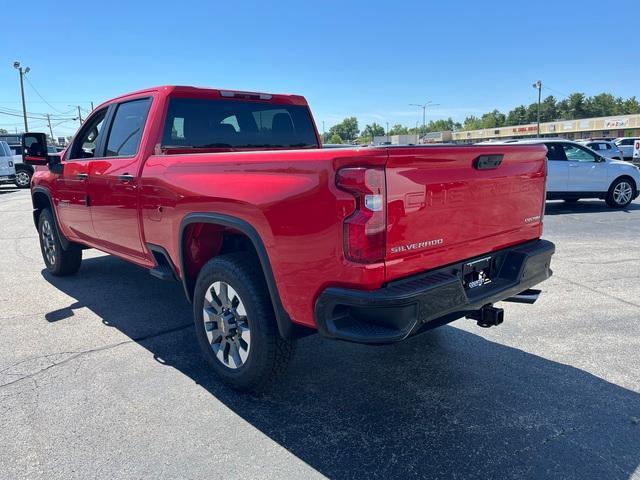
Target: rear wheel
x=59 y=261
x=236 y=326
x=23 y=178
x=621 y=193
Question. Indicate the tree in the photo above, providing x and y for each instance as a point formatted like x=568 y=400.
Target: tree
x=631 y=106
x=347 y=129
x=335 y=138
x=372 y=130
x=493 y=119
x=602 y=105
x=472 y=123
x=548 y=111
x=442 y=125
x=398 y=129
x=517 y=116
x=3 y=131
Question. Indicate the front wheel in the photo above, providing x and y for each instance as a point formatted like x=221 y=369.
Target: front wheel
x=235 y=323
x=23 y=178
x=621 y=193
x=59 y=261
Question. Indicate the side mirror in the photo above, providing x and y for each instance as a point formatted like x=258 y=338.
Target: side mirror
x=34 y=149
x=600 y=160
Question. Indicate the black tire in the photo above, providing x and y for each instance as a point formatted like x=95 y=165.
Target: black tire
x=269 y=354
x=23 y=177
x=59 y=261
x=614 y=197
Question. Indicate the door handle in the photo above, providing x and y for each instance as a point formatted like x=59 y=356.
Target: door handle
x=573 y=165
x=125 y=177
x=82 y=176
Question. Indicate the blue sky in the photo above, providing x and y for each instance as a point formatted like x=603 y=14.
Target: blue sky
x=368 y=59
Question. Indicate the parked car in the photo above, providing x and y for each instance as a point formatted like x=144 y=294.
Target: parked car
x=24 y=172
x=625 y=144
x=7 y=168
x=274 y=237
x=576 y=172
x=604 y=148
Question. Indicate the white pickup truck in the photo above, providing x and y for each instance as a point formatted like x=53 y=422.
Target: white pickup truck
x=7 y=167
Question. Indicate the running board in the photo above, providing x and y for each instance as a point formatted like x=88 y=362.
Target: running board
x=164 y=269
x=528 y=296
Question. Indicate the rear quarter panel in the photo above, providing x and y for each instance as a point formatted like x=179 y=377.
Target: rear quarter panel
x=289 y=197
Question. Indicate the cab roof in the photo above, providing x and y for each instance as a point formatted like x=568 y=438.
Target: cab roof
x=221 y=93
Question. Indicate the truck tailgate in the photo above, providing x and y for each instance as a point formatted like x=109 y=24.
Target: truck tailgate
x=450 y=203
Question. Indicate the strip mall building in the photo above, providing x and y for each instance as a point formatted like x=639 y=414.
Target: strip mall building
x=619 y=126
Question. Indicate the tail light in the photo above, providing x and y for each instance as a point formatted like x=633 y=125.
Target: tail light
x=365 y=229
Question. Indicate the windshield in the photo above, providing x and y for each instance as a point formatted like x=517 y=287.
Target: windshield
x=205 y=123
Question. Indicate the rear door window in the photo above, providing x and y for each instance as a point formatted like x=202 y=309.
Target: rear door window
x=212 y=123
x=126 y=129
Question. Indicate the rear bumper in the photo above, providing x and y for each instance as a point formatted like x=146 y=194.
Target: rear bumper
x=430 y=299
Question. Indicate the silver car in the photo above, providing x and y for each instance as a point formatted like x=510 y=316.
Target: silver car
x=604 y=148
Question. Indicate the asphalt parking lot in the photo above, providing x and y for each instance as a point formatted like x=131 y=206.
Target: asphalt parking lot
x=100 y=377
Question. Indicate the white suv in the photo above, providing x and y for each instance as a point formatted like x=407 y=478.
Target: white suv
x=575 y=172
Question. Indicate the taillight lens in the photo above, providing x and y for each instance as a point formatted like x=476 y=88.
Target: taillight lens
x=365 y=228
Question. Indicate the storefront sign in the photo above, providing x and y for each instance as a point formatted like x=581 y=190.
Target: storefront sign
x=617 y=123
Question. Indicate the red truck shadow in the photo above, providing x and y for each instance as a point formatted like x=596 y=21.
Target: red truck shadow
x=446 y=404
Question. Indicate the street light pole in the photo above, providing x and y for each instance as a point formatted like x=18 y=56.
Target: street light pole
x=22 y=72
x=538 y=85
x=424 y=113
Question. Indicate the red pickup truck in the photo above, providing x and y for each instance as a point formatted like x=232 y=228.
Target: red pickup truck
x=274 y=237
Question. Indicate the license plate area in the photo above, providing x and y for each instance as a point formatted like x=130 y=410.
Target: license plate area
x=477 y=273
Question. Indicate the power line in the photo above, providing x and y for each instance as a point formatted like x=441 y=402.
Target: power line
x=556 y=91
x=41 y=97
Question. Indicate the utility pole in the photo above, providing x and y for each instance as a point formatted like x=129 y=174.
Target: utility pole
x=388 y=141
x=538 y=85
x=92 y=106
x=22 y=72
x=79 y=113
x=50 y=129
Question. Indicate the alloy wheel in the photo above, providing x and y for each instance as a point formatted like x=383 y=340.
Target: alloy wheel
x=622 y=193
x=226 y=325
x=48 y=242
